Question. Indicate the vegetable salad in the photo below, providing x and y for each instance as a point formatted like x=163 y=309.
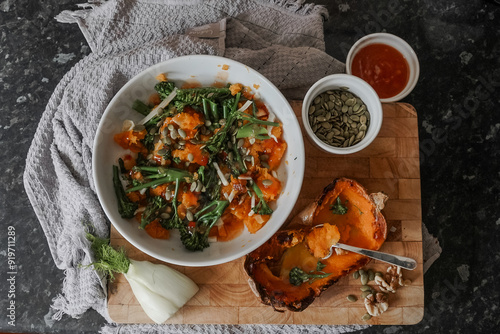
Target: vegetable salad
x=202 y=161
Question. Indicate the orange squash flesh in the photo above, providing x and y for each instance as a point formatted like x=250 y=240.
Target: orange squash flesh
x=363 y=225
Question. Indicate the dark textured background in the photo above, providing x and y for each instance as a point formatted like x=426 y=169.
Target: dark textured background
x=457 y=99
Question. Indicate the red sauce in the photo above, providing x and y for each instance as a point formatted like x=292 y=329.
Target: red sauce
x=383 y=67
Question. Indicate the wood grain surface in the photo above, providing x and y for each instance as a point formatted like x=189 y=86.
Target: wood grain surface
x=391 y=165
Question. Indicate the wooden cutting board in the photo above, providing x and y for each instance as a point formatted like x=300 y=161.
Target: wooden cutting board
x=391 y=165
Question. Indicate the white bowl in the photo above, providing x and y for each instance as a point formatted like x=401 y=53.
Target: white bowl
x=400 y=45
x=356 y=86
x=204 y=70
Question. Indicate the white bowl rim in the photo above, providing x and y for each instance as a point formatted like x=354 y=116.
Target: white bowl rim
x=378 y=38
x=300 y=164
x=342 y=80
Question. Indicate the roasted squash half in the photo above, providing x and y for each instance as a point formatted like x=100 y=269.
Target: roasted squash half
x=349 y=215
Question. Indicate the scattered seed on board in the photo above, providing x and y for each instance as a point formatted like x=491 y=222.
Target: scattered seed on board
x=371 y=275
x=355 y=275
x=364 y=294
x=364 y=279
x=352 y=298
x=365 y=288
x=366 y=317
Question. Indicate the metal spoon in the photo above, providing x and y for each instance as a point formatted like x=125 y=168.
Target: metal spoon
x=401 y=261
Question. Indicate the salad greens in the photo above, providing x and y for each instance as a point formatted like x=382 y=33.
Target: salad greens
x=156 y=184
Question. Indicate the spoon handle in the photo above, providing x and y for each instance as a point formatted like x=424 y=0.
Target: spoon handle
x=401 y=261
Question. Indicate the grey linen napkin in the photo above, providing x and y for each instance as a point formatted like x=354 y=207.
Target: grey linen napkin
x=281 y=39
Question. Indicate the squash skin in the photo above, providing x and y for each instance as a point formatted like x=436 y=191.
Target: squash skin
x=370 y=233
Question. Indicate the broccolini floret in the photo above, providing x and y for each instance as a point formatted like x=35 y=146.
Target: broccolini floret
x=126 y=207
x=153 y=210
x=196 y=238
x=160 y=175
x=262 y=208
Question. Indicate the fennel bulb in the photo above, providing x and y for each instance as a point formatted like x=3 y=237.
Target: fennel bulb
x=160 y=290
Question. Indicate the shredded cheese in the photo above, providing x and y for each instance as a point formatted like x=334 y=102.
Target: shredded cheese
x=245 y=106
x=259 y=219
x=162 y=105
x=231 y=195
x=221 y=175
x=271 y=118
x=252 y=205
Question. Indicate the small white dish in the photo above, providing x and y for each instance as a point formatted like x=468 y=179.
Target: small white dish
x=356 y=86
x=203 y=70
x=399 y=44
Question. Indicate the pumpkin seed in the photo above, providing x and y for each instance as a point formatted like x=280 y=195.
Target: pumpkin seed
x=364 y=279
x=190 y=157
x=326 y=125
x=352 y=298
x=371 y=275
x=355 y=275
x=341 y=112
x=189 y=215
x=366 y=317
x=350 y=102
x=240 y=143
x=365 y=288
x=192 y=188
x=364 y=294
x=199 y=185
x=267 y=182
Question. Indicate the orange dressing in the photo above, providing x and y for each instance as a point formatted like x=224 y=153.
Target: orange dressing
x=383 y=67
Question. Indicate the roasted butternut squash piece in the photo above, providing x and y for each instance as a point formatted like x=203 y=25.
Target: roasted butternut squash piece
x=358 y=222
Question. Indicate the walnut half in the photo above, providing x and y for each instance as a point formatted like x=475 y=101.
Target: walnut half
x=393 y=280
x=376 y=304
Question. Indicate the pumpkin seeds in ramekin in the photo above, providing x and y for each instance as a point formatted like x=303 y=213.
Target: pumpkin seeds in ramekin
x=339 y=118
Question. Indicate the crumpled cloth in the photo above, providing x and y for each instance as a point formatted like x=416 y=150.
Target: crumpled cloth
x=282 y=39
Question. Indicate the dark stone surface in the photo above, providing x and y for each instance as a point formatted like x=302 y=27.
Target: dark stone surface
x=457 y=100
